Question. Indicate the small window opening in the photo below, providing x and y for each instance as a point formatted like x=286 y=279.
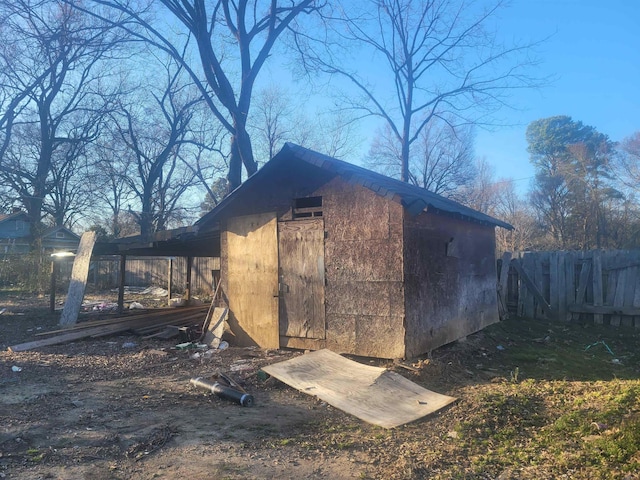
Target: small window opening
x=59 y=234
x=307 y=207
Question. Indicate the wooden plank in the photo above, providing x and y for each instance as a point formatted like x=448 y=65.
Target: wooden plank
x=122 y=325
x=68 y=337
x=148 y=314
x=215 y=328
x=615 y=295
x=636 y=300
x=532 y=287
x=252 y=279
x=187 y=289
x=194 y=319
x=78 y=279
x=628 y=294
x=562 y=286
x=169 y=280
x=553 y=283
x=522 y=288
x=539 y=281
x=621 y=263
x=528 y=304
x=121 y=282
x=503 y=285
x=570 y=282
x=604 y=310
x=504 y=274
x=585 y=271
x=597 y=286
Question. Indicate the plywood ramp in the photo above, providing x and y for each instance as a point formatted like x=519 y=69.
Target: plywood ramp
x=372 y=394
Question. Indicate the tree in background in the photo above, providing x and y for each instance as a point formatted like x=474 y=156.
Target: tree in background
x=155 y=132
x=442 y=60
x=216 y=194
x=233 y=40
x=482 y=193
x=511 y=208
x=108 y=182
x=55 y=82
x=573 y=183
x=627 y=162
x=442 y=161
x=278 y=119
x=272 y=122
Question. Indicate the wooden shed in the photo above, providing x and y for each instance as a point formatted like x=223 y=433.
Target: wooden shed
x=320 y=253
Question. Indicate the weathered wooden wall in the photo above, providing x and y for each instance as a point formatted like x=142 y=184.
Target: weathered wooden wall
x=364 y=304
x=602 y=287
x=450 y=280
x=147 y=271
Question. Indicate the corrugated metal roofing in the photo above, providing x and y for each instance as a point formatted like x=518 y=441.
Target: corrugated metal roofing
x=414 y=199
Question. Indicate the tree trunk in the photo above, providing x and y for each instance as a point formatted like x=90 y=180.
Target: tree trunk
x=241 y=154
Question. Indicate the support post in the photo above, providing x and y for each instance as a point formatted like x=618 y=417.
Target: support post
x=123 y=271
x=187 y=291
x=169 y=280
x=52 y=286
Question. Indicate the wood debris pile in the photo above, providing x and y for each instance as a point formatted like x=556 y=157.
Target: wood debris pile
x=152 y=322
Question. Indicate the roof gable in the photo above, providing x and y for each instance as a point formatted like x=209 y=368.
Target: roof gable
x=414 y=199
x=68 y=234
x=7 y=217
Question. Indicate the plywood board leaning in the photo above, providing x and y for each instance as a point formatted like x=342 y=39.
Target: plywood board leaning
x=372 y=394
x=215 y=329
x=252 y=279
x=78 y=282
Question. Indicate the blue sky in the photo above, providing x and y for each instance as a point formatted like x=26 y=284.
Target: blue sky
x=594 y=55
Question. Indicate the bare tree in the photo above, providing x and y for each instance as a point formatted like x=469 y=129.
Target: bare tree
x=233 y=39
x=627 y=162
x=155 y=131
x=483 y=192
x=58 y=99
x=278 y=119
x=516 y=212
x=272 y=121
x=438 y=59
x=442 y=161
x=107 y=178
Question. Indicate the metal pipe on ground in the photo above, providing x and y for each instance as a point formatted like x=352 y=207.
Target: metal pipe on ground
x=222 y=391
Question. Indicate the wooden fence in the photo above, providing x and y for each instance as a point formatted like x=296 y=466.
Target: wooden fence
x=148 y=271
x=601 y=287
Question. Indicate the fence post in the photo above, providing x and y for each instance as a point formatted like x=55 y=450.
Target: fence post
x=123 y=271
x=597 y=285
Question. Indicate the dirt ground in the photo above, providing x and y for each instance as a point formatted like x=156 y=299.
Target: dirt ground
x=121 y=407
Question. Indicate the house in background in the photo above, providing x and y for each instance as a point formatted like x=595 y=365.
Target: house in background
x=15 y=236
x=319 y=253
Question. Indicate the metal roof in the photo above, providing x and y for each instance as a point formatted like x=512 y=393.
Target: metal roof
x=414 y=199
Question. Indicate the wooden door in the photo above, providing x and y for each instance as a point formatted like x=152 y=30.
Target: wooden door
x=252 y=279
x=301 y=257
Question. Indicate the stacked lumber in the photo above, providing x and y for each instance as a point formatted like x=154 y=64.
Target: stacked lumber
x=142 y=323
